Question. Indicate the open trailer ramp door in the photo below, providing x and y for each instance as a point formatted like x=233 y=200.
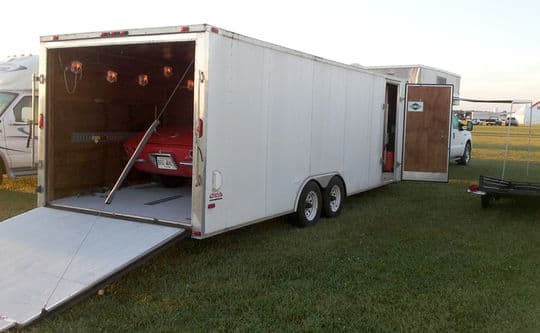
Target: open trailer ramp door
x=426 y=142
x=49 y=257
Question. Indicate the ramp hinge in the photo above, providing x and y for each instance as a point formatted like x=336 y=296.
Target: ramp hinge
x=201 y=76
x=39 y=189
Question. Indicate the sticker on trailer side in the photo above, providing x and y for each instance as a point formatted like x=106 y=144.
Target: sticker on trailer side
x=214 y=196
x=415 y=106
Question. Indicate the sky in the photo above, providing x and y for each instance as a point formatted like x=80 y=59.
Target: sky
x=493 y=45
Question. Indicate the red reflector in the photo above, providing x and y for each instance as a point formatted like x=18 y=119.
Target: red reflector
x=214 y=30
x=196 y=233
x=55 y=37
x=212 y=205
x=104 y=34
x=124 y=33
x=184 y=29
x=113 y=33
x=40 y=121
x=200 y=128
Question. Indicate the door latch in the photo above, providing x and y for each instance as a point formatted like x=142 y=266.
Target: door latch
x=40 y=78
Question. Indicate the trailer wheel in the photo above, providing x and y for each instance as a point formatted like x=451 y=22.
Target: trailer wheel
x=486 y=200
x=309 y=205
x=333 y=197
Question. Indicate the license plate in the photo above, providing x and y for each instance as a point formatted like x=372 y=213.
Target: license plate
x=165 y=162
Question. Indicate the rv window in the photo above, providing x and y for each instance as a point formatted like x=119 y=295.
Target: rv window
x=26 y=101
x=441 y=80
x=5 y=100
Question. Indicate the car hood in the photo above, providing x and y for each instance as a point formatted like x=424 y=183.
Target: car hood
x=166 y=136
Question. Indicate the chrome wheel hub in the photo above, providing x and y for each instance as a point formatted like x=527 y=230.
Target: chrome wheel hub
x=311 y=206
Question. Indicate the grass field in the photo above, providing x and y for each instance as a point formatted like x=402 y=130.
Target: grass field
x=405 y=257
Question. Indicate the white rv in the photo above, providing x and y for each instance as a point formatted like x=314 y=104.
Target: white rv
x=17 y=141
x=275 y=132
x=420 y=74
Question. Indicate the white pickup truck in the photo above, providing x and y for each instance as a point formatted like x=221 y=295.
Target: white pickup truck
x=16 y=115
x=460 y=141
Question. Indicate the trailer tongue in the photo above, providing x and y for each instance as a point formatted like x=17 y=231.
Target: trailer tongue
x=50 y=256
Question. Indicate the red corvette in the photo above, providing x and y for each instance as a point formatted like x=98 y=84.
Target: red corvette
x=168 y=152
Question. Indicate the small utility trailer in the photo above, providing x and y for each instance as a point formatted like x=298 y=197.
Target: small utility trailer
x=275 y=132
x=492 y=188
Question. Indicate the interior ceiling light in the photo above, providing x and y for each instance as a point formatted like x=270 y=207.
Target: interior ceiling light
x=167 y=71
x=190 y=84
x=142 y=79
x=112 y=76
x=76 y=67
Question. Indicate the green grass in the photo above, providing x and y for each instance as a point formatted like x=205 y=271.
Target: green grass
x=16 y=196
x=405 y=257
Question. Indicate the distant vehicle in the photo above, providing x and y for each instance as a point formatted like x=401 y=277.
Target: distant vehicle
x=461 y=141
x=494 y=121
x=15 y=115
x=512 y=121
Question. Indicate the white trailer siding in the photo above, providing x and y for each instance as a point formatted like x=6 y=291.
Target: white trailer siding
x=275 y=119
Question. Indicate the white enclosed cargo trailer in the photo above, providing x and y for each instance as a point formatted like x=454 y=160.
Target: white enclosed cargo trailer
x=275 y=132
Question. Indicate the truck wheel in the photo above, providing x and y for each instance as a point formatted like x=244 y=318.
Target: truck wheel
x=333 y=197
x=466 y=157
x=309 y=205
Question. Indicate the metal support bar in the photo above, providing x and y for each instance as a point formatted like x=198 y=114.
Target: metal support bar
x=529 y=144
x=32 y=129
x=507 y=139
x=132 y=161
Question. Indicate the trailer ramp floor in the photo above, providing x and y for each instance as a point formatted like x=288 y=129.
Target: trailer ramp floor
x=50 y=256
x=146 y=200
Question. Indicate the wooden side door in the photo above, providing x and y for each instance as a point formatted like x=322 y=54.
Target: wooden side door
x=428 y=111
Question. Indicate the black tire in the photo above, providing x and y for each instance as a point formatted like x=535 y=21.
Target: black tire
x=486 y=200
x=170 y=181
x=310 y=205
x=333 y=197
x=466 y=157
x=2 y=171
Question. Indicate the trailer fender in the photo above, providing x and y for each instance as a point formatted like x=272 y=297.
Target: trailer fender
x=321 y=180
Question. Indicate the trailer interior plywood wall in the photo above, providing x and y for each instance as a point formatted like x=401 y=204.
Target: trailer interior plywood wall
x=88 y=119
